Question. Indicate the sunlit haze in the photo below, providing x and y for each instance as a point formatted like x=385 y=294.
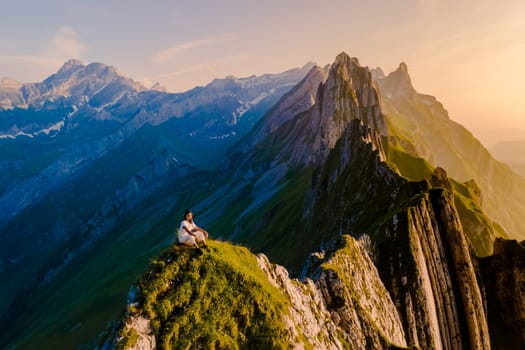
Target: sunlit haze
x=469 y=54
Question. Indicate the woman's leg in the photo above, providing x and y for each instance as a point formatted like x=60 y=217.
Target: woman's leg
x=200 y=236
x=188 y=240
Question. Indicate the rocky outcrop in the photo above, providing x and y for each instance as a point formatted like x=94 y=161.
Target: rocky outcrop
x=344 y=306
x=308 y=313
x=425 y=263
x=503 y=278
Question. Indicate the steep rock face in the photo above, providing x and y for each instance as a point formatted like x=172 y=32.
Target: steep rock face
x=345 y=297
x=351 y=272
x=296 y=101
x=503 y=276
x=348 y=93
x=426 y=264
x=437 y=292
x=398 y=83
x=479 y=229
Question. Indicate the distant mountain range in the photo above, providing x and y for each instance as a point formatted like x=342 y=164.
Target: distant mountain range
x=320 y=168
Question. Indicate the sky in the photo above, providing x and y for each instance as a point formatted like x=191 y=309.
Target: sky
x=467 y=53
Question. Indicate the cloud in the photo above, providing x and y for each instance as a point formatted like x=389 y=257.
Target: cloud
x=208 y=66
x=192 y=68
x=170 y=52
x=66 y=43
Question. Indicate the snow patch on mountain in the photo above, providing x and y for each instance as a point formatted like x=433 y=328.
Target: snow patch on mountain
x=246 y=106
x=222 y=137
x=14 y=136
x=111 y=103
x=72 y=113
x=55 y=127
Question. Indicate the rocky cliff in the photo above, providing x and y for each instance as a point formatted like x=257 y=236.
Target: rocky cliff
x=503 y=276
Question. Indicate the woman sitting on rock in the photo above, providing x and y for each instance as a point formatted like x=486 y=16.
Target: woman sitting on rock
x=189 y=233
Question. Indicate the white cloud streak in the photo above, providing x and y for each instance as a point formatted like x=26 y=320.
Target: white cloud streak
x=208 y=66
x=171 y=52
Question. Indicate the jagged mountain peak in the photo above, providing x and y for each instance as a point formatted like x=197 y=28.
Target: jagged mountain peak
x=344 y=58
x=377 y=73
x=78 y=83
x=71 y=65
x=403 y=68
x=401 y=74
x=310 y=119
x=348 y=93
x=74 y=71
x=349 y=69
x=347 y=74
x=399 y=82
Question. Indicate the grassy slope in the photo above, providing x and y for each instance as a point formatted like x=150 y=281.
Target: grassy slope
x=401 y=155
x=444 y=143
x=220 y=299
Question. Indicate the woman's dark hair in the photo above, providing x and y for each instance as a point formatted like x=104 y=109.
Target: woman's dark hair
x=186 y=213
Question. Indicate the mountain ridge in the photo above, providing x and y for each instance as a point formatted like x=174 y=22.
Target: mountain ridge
x=293 y=206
